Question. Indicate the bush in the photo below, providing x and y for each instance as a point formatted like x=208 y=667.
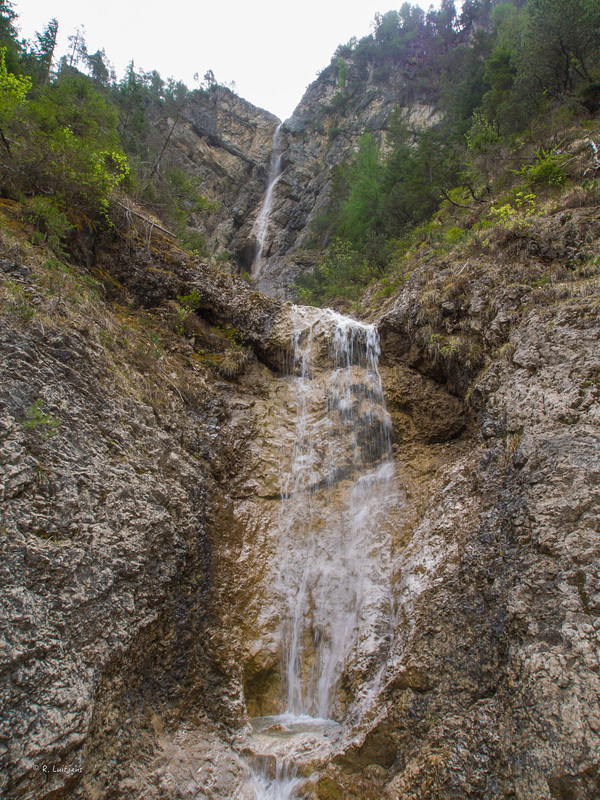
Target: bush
x=343 y=273
x=50 y=221
x=62 y=143
x=547 y=171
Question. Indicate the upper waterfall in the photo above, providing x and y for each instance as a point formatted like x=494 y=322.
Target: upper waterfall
x=261 y=224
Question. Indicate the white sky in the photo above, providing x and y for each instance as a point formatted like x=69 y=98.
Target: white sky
x=271 y=49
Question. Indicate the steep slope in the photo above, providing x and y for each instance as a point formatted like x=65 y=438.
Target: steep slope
x=114 y=440
x=141 y=506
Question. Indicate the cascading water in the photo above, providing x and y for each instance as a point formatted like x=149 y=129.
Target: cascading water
x=261 y=224
x=333 y=584
x=334 y=576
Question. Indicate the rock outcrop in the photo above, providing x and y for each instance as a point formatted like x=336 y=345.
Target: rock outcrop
x=224 y=142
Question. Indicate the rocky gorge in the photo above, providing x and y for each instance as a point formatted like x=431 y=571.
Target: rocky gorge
x=227 y=143
x=252 y=549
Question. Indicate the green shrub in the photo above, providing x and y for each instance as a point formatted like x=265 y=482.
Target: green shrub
x=190 y=301
x=455 y=235
x=51 y=221
x=37 y=419
x=61 y=143
x=343 y=273
x=482 y=134
x=547 y=171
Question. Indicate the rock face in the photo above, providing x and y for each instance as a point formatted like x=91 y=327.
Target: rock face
x=501 y=617
x=225 y=142
x=322 y=133
x=142 y=544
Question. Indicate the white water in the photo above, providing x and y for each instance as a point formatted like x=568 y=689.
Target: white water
x=281 y=787
x=334 y=565
x=284 y=741
x=261 y=224
x=335 y=551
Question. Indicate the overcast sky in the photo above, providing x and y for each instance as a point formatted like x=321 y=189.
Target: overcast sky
x=271 y=49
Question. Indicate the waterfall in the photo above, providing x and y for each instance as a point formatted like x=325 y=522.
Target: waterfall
x=261 y=224
x=334 y=558
x=334 y=576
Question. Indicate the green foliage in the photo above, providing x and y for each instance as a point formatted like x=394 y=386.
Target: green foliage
x=522 y=206
x=13 y=91
x=63 y=142
x=190 y=301
x=65 y=135
x=51 y=221
x=39 y=60
x=547 y=171
x=133 y=125
x=176 y=196
x=35 y=418
x=560 y=46
x=482 y=134
x=363 y=175
x=98 y=67
x=8 y=36
x=455 y=234
x=416 y=176
x=342 y=68
x=344 y=272
x=491 y=71
x=194 y=242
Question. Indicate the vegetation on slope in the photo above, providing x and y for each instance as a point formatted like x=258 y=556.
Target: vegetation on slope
x=72 y=135
x=517 y=83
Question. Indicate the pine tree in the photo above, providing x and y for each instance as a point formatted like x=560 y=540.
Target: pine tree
x=44 y=50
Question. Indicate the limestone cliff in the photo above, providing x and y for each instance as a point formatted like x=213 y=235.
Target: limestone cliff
x=323 y=133
x=225 y=142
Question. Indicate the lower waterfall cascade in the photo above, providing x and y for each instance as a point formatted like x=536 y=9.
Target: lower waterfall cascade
x=333 y=580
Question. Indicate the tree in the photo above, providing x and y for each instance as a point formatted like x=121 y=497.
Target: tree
x=360 y=213
x=132 y=109
x=444 y=21
x=98 y=66
x=8 y=36
x=421 y=167
x=43 y=51
x=78 y=47
x=61 y=144
x=209 y=80
x=13 y=91
x=560 y=46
